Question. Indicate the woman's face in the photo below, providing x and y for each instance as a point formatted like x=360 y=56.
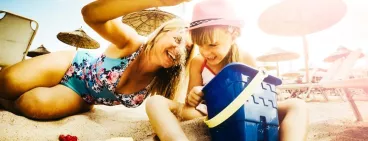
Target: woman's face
x=171 y=49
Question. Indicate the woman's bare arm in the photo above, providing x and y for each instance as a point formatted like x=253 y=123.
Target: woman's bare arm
x=102 y=16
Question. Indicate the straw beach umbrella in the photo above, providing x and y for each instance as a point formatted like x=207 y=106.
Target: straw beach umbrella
x=269 y=67
x=146 y=21
x=37 y=52
x=277 y=55
x=300 y=18
x=79 y=39
x=291 y=74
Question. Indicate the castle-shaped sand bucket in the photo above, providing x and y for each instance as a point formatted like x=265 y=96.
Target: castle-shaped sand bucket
x=242 y=105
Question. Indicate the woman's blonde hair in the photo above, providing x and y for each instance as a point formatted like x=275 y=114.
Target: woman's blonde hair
x=167 y=80
x=207 y=35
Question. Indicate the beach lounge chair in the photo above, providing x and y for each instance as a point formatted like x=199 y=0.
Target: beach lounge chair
x=16 y=35
x=309 y=86
x=345 y=84
x=338 y=70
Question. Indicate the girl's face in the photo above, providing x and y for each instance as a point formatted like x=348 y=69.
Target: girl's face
x=218 y=47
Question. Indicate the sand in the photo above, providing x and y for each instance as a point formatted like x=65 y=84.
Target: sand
x=328 y=121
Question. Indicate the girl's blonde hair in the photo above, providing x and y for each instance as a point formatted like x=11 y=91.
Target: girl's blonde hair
x=168 y=80
x=207 y=35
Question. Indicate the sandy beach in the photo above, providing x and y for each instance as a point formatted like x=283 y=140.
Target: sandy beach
x=296 y=40
x=329 y=121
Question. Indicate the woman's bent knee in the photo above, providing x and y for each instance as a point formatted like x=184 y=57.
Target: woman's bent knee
x=44 y=104
x=7 y=83
x=157 y=101
x=154 y=100
x=298 y=104
x=33 y=105
x=292 y=107
x=161 y=102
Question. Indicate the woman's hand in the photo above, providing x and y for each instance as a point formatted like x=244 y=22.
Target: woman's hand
x=103 y=17
x=195 y=96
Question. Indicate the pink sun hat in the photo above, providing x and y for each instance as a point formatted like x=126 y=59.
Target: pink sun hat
x=214 y=12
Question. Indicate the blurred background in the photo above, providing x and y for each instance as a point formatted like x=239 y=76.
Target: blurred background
x=351 y=31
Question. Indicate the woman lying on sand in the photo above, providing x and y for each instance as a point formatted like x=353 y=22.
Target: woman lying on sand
x=66 y=83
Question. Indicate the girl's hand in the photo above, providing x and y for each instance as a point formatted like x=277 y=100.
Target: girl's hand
x=195 y=96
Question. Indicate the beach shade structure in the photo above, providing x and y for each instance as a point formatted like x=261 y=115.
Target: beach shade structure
x=38 y=51
x=341 y=52
x=146 y=21
x=79 y=39
x=303 y=69
x=300 y=18
x=291 y=74
x=318 y=72
x=278 y=55
x=269 y=67
x=316 y=68
x=315 y=73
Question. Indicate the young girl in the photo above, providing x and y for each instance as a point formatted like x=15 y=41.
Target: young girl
x=215 y=33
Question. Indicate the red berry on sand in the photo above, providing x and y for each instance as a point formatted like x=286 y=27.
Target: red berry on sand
x=61 y=137
x=68 y=138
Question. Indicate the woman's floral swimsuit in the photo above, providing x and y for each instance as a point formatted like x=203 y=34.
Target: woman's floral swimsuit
x=95 y=79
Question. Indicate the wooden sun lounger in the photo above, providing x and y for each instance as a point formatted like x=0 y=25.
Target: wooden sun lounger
x=346 y=84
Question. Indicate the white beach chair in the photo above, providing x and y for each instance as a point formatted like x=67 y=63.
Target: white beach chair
x=16 y=35
x=340 y=69
x=343 y=83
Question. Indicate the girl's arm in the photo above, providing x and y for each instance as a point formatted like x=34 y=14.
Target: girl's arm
x=195 y=80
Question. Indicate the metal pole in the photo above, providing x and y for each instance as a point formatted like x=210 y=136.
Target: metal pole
x=306 y=58
x=277 y=66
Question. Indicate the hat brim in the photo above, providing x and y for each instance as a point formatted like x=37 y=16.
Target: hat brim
x=236 y=23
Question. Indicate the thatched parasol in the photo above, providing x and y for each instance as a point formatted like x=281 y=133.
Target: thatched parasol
x=291 y=74
x=341 y=52
x=146 y=21
x=277 y=55
x=300 y=18
x=79 y=39
x=269 y=67
x=37 y=52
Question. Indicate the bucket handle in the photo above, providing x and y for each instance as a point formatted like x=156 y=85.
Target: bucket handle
x=238 y=101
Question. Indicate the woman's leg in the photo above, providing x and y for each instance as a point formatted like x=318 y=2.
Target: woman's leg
x=294 y=120
x=163 y=121
x=44 y=103
x=42 y=71
x=31 y=88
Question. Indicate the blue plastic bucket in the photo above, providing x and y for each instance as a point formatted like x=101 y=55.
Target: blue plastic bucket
x=256 y=119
